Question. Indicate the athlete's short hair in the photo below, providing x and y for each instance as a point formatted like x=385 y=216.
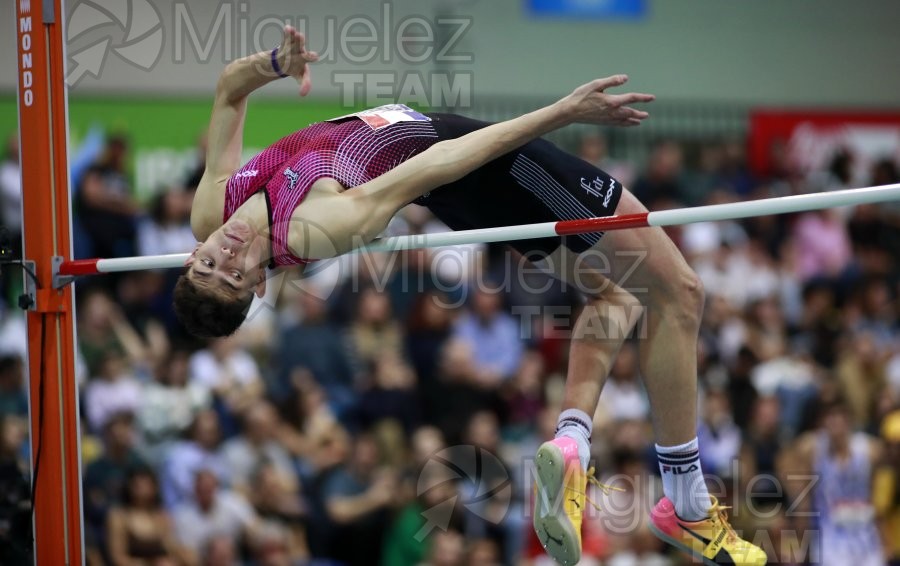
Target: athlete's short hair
x=205 y=313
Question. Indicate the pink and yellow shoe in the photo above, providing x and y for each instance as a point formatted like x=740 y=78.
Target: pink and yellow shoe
x=712 y=540
x=559 y=498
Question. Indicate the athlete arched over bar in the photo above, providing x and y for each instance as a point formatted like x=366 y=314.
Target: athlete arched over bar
x=334 y=185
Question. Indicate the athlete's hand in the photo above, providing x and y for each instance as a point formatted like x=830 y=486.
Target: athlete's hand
x=294 y=59
x=591 y=104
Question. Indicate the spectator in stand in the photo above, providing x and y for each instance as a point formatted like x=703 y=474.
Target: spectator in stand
x=820 y=323
x=192 y=180
x=231 y=375
x=104 y=330
x=490 y=517
x=373 y=330
x=760 y=448
x=358 y=499
x=886 y=487
x=304 y=411
x=822 y=245
x=199 y=451
x=329 y=451
x=15 y=493
x=314 y=343
x=10 y=208
x=623 y=396
x=391 y=396
x=113 y=390
x=105 y=478
x=447 y=549
x=718 y=436
x=860 y=371
x=13 y=397
x=492 y=336
x=257 y=445
x=875 y=313
x=168 y=228
x=484 y=552
x=137 y=297
x=169 y=405
x=280 y=532
x=105 y=205
x=457 y=393
x=765 y=333
x=220 y=550
x=13 y=332
x=11 y=190
x=524 y=395
x=138 y=530
x=427 y=331
x=408 y=540
x=212 y=512
x=662 y=179
x=843 y=461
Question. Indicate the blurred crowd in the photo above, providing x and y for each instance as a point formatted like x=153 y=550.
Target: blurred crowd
x=384 y=409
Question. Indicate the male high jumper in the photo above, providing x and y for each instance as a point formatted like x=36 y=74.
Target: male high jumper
x=335 y=185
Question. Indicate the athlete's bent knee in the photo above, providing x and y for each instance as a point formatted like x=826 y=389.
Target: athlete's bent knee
x=689 y=296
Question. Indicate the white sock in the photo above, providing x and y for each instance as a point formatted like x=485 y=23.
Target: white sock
x=683 y=481
x=577 y=425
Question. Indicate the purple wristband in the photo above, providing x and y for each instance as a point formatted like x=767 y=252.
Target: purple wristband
x=275 y=66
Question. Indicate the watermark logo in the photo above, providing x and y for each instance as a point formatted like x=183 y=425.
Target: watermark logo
x=376 y=57
x=131 y=29
x=477 y=480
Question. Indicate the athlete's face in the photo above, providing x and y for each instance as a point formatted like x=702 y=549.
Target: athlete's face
x=230 y=261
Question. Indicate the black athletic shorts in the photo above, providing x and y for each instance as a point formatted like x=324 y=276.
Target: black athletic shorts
x=536 y=183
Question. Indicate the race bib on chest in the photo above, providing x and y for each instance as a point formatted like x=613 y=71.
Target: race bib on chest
x=386 y=115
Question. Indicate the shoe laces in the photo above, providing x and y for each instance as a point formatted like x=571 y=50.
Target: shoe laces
x=606 y=489
x=720 y=512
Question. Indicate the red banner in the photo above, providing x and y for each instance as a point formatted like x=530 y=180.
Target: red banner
x=809 y=140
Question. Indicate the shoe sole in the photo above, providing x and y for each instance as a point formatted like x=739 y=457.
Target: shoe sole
x=680 y=546
x=551 y=524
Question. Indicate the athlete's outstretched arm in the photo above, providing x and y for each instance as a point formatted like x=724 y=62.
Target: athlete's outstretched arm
x=449 y=160
x=226 y=125
x=336 y=223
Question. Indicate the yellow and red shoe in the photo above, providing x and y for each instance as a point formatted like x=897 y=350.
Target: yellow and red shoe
x=559 y=499
x=712 y=540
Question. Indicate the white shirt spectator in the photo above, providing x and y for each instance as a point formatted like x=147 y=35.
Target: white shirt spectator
x=229 y=516
x=180 y=468
x=154 y=239
x=104 y=398
x=243 y=459
x=13 y=333
x=788 y=372
x=624 y=400
x=167 y=411
x=11 y=195
x=208 y=371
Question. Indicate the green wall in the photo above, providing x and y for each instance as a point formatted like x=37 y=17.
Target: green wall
x=176 y=122
x=165 y=130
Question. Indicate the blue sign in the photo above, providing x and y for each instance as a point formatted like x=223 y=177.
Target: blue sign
x=581 y=9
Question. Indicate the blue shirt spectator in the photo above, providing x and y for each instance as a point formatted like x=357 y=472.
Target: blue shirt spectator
x=492 y=335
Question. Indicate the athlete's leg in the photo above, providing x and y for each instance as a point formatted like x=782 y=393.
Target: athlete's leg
x=605 y=320
x=647 y=263
x=657 y=274
x=608 y=316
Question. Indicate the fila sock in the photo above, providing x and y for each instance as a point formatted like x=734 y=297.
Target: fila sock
x=683 y=481
x=577 y=425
